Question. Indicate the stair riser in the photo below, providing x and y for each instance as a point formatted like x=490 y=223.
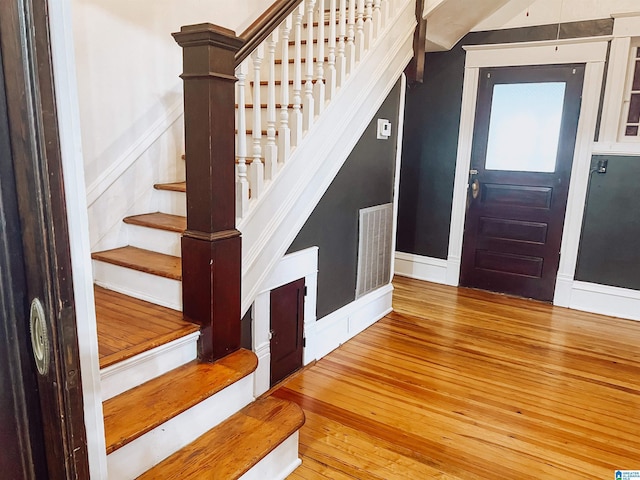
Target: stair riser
x=279 y=464
x=151 y=288
x=160 y=241
x=140 y=455
x=135 y=371
x=171 y=202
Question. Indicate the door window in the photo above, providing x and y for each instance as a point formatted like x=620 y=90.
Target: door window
x=524 y=126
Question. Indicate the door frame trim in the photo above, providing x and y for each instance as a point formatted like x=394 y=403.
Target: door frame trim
x=70 y=134
x=592 y=52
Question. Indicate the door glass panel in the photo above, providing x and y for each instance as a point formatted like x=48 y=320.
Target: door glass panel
x=524 y=126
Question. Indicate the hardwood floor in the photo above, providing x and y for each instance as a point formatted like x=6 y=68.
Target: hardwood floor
x=463 y=384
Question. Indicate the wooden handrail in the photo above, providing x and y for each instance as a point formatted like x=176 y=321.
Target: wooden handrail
x=259 y=30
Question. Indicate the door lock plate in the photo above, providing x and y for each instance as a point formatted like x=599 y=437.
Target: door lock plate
x=39 y=336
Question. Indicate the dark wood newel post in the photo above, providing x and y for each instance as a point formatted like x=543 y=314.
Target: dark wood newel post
x=211 y=256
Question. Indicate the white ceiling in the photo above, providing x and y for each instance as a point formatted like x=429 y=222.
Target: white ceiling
x=450 y=20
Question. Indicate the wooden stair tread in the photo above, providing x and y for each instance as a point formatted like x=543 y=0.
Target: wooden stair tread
x=160 y=221
x=128 y=326
x=172 y=187
x=142 y=260
x=229 y=450
x=141 y=409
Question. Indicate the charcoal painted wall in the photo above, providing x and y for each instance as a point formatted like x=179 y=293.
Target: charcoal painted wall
x=609 y=252
x=366 y=179
x=432 y=121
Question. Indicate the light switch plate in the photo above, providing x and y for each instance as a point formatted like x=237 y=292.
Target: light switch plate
x=384 y=129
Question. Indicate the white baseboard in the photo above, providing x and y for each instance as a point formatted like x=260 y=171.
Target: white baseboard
x=345 y=323
x=605 y=300
x=134 y=371
x=421 y=268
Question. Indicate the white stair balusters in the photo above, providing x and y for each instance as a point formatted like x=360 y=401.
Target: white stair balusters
x=256 y=169
x=296 y=120
x=368 y=24
x=346 y=30
x=319 y=87
x=242 y=184
x=360 y=45
x=284 y=132
x=341 y=60
x=351 y=32
x=377 y=18
x=308 y=109
x=271 y=148
x=384 y=9
x=331 y=59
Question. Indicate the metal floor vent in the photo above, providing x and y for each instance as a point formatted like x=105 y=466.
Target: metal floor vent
x=374 y=248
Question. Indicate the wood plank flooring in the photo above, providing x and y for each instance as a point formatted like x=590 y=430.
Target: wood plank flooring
x=128 y=326
x=463 y=384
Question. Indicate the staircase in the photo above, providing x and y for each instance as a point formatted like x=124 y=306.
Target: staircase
x=303 y=98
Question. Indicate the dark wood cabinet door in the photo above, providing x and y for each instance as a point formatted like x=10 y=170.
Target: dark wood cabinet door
x=523 y=146
x=287 y=324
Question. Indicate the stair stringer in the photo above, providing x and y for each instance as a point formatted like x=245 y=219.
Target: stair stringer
x=275 y=220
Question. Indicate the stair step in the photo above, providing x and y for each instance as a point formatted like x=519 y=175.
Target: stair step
x=142 y=260
x=160 y=221
x=172 y=187
x=138 y=411
x=232 y=448
x=128 y=326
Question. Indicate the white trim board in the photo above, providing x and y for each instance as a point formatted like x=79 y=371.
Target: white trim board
x=68 y=113
x=605 y=300
x=396 y=180
x=421 y=268
x=590 y=51
x=109 y=176
x=346 y=322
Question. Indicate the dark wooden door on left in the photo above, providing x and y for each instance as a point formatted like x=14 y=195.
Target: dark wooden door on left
x=287 y=325
x=42 y=430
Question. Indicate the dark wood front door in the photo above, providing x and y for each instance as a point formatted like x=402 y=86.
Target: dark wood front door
x=523 y=145
x=287 y=324
x=42 y=431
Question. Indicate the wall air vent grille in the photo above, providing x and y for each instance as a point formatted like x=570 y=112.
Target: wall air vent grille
x=374 y=248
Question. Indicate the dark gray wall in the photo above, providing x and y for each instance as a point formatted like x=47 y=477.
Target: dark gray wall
x=609 y=248
x=432 y=120
x=366 y=179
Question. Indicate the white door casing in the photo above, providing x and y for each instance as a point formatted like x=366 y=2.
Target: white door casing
x=591 y=51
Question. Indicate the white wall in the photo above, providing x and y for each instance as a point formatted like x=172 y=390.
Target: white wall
x=543 y=12
x=129 y=90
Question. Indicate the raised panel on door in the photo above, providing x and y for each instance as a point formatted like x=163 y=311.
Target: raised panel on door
x=287 y=323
